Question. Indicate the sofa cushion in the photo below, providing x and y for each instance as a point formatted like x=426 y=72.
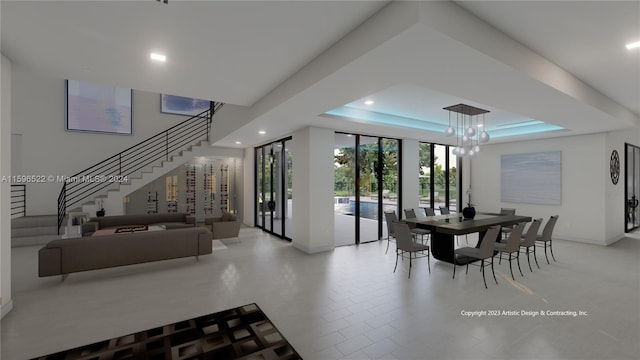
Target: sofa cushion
x=226 y=216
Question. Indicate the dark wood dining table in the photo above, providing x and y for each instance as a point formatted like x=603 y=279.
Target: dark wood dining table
x=444 y=228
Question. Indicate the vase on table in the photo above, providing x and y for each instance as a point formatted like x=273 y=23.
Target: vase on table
x=469 y=212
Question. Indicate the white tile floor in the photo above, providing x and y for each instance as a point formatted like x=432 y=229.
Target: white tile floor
x=346 y=304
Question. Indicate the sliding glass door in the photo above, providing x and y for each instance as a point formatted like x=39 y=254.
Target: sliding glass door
x=367 y=171
x=273 y=188
x=632 y=187
x=438 y=177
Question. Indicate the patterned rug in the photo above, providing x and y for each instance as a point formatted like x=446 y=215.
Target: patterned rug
x=241 y=333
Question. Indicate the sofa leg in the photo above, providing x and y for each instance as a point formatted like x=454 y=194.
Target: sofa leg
x=63 y=277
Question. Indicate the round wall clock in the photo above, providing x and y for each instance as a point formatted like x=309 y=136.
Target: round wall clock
x=614 y=167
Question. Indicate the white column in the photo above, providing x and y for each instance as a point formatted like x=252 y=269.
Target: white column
x=313 y=225
x=410 y=175
x=5 y=187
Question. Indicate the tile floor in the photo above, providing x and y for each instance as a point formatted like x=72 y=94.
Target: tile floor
x=348 y=303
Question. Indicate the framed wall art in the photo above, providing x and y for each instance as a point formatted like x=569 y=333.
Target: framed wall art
x=98 y=108
x=531 y=178
x=179 y=105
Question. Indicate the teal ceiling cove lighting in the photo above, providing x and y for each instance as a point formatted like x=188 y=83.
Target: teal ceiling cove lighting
x=416 y=107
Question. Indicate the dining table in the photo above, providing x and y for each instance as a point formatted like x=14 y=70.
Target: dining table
x=444 y=229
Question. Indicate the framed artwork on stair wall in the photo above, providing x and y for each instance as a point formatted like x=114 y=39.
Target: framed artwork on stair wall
x=179 y=105
x=98 y=108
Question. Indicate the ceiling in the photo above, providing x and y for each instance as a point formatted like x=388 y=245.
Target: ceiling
x=286 y=64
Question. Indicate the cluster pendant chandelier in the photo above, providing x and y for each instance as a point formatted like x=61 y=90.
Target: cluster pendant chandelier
x=467 y=126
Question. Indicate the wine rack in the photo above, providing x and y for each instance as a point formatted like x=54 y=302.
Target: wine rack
x=190 y=192
x=209 y=195
x=152 y=202
x=224 y=188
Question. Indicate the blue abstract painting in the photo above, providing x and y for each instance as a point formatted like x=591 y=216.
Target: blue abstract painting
x=180 y=105
x=531 y=178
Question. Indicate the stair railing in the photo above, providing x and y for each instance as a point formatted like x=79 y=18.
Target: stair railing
x=18 y=200
x=116 y=169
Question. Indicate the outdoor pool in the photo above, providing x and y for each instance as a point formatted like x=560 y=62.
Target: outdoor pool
x=368 y=209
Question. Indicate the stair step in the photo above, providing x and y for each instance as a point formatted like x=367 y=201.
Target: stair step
x=32 y=240
x=34 y=231
x=34 y=221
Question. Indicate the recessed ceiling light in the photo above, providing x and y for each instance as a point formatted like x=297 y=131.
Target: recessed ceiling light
x=369 y=102
x=633 y=45
x=238 y=143
x=158 y=57
x=262 y=132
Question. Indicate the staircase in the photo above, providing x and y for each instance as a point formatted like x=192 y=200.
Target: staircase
x=106 y=183
x=33 y=230
x=112 y=200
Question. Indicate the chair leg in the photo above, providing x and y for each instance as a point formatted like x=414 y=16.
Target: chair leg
x=510 y=268
x=545 y=252
x=467 y=272
x=409 y=277
x=388 y=241
x=454 y=268
x=429 y=261
x=535 y=257
x=483 y=278
x=529 y=260
x=494 y=273
x=394 y=269
x=518 y=258
x=551 y=248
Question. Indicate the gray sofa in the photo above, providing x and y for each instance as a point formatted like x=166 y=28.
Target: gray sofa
x=169 y=220
x=224 y=227
x=65 y=256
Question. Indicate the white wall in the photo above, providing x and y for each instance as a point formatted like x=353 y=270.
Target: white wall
x=47 y=149
x=248 y=200
x=410 y=176
x=584 y=184
x=5 y=186
x=313 y=183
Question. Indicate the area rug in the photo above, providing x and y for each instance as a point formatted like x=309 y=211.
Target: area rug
x=241 y=333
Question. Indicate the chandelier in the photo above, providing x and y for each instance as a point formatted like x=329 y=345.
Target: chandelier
x=467 y=126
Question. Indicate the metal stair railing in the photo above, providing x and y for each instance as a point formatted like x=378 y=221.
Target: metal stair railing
x=18 y=200
x=116 y=169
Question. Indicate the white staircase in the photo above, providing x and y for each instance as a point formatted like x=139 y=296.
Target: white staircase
x=33 y=230
x=113 y=200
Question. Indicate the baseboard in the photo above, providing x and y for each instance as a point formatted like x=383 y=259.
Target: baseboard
x=314 y=250
x=6 y=308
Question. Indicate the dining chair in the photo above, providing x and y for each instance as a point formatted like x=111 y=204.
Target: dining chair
x=546 y=236
x=512 y=247
x=390 y=217
x=507 y=229
x=528 y=241
x=482 y=253
x=429 y=212
x=411 y=214
x=405 y=244
x=445 y=211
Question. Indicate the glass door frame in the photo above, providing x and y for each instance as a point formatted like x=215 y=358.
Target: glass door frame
x=630 y=166
x=379 y=176
x=283 y=161
x=447 y=174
